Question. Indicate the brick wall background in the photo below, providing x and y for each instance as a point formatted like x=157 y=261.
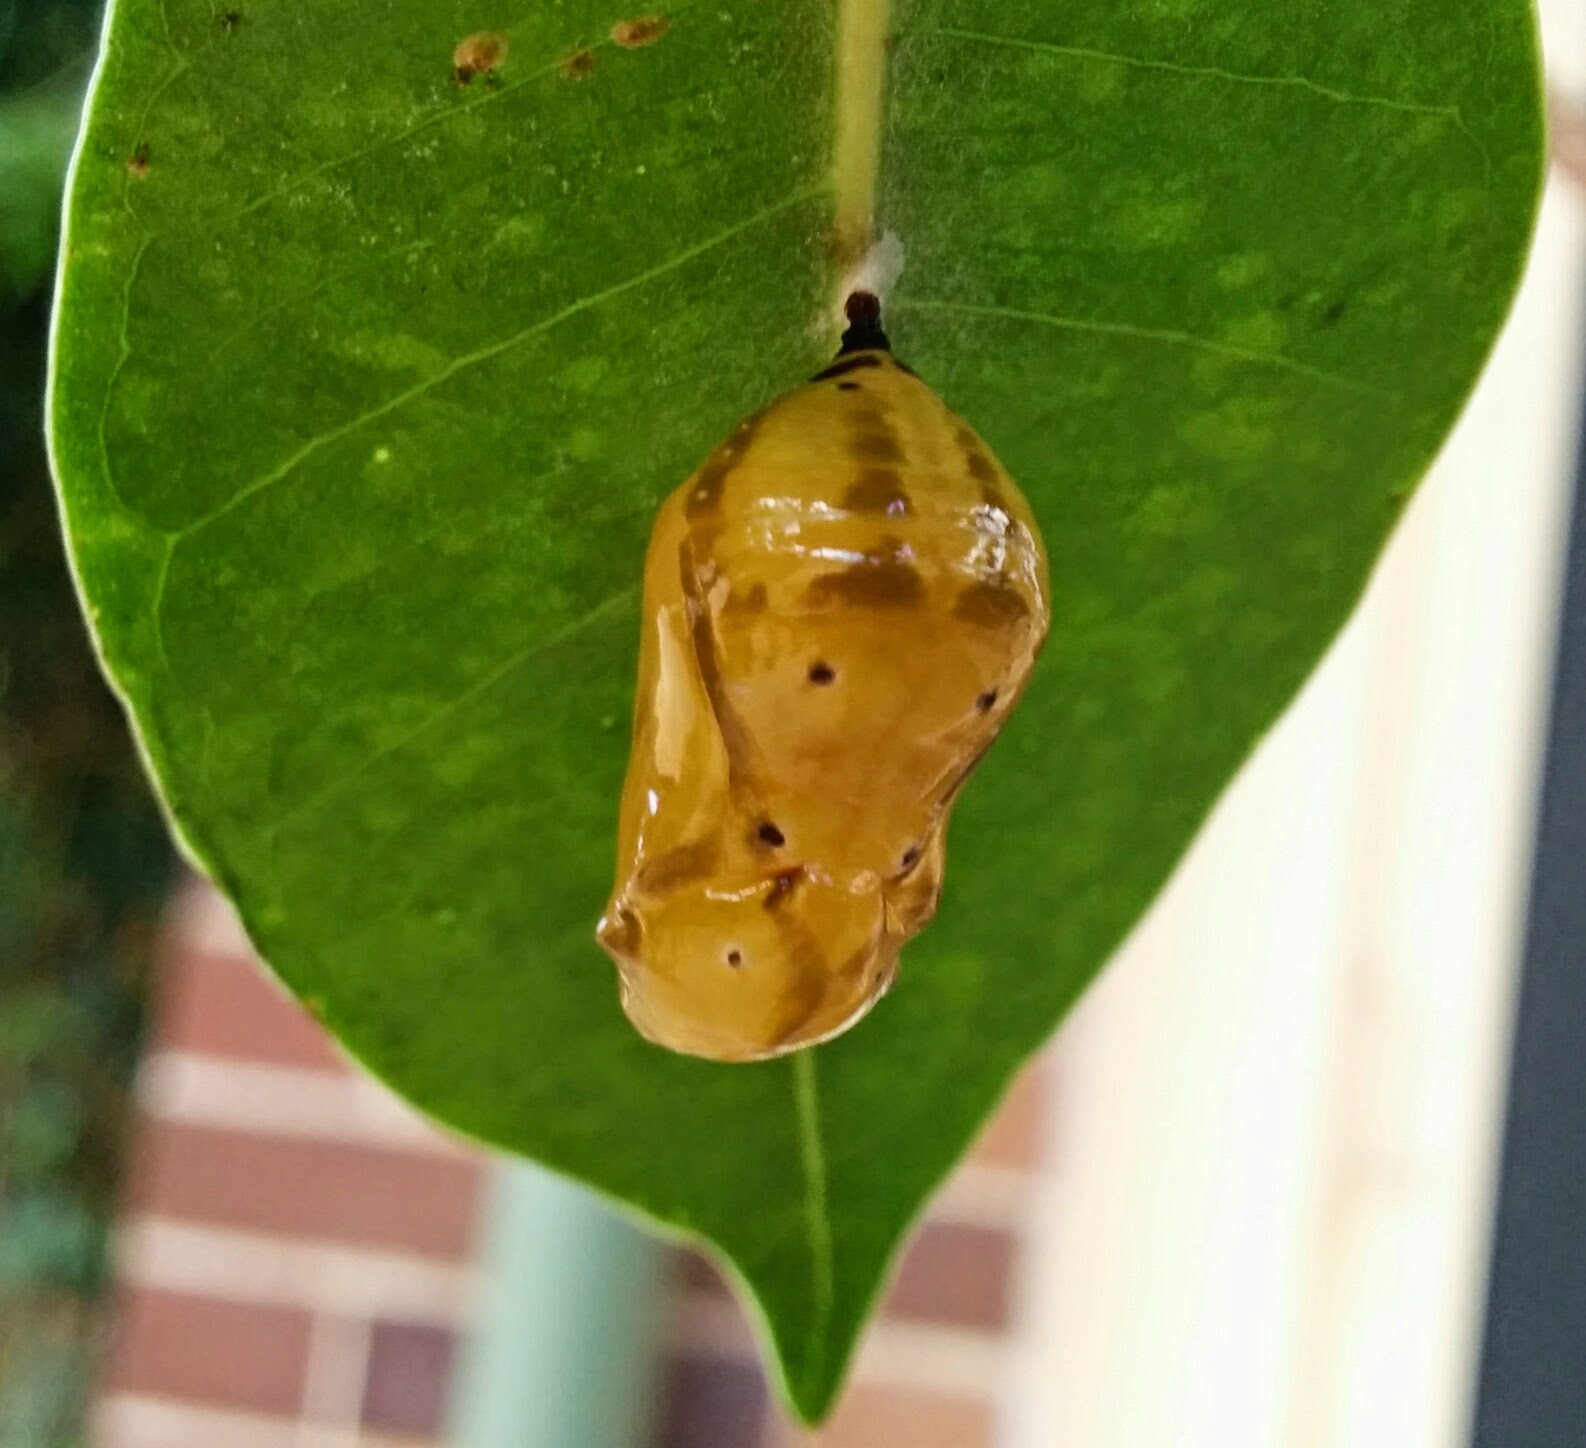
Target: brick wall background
x=296 y=1256
x=294 y=1253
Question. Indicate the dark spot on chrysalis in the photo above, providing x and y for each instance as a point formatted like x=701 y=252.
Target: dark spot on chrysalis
x=980 y=468
x=769 y=834
x=991 y=605
x=911 y=857
x=876 y=447
x=877 y=490
x=782 y=884
x=848 y=387
x=978 y=464
x=705 y=495
x=874 y=441
x=848 y=364
x=621 y=933
x=677 y=866
x=735 y=958
x=821 y=673
x=885 y=579
x=986 y=700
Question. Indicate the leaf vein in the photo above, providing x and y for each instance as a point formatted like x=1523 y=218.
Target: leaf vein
x=817 y=1210
x=1450 y=113
x=1168 y=335
x=1213 y=72
x=123 y=354
x=383 y=143
x=157 y=605
x=360 y=268
x=476 y=690
x=479 y=356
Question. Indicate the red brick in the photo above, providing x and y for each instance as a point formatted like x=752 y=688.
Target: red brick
x=713 y=1402
x=224 y=1354
x=871 y=1416
x=956 y=1275
x=410 y=1368
x=1013 y=1135
x=373 y=1196
x=225 y=1005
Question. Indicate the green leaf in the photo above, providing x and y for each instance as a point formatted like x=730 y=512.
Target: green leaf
x=367 y=385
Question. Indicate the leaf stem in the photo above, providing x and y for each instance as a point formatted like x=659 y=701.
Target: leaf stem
x=861 y=86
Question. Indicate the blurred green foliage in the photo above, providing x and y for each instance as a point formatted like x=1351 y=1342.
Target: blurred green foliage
x=84 y=858
x=45 y=50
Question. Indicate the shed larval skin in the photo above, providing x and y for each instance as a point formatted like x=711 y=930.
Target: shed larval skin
x=840 y=609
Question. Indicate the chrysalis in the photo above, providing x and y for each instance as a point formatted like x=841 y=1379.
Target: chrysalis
x=840 y=608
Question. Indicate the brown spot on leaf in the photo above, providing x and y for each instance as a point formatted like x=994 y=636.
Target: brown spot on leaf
x=580 y=65
x=138 y=161
x=645 y=30
x=478 y=54
x=993 y=604
x=229 y=21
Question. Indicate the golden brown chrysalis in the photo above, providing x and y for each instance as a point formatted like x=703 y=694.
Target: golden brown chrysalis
x=840 y=608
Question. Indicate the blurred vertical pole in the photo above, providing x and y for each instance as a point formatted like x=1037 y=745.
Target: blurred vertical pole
x=564 y=1344
x=1532 y=1387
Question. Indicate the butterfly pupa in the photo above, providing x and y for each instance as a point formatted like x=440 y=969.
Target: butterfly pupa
x=841 y=606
